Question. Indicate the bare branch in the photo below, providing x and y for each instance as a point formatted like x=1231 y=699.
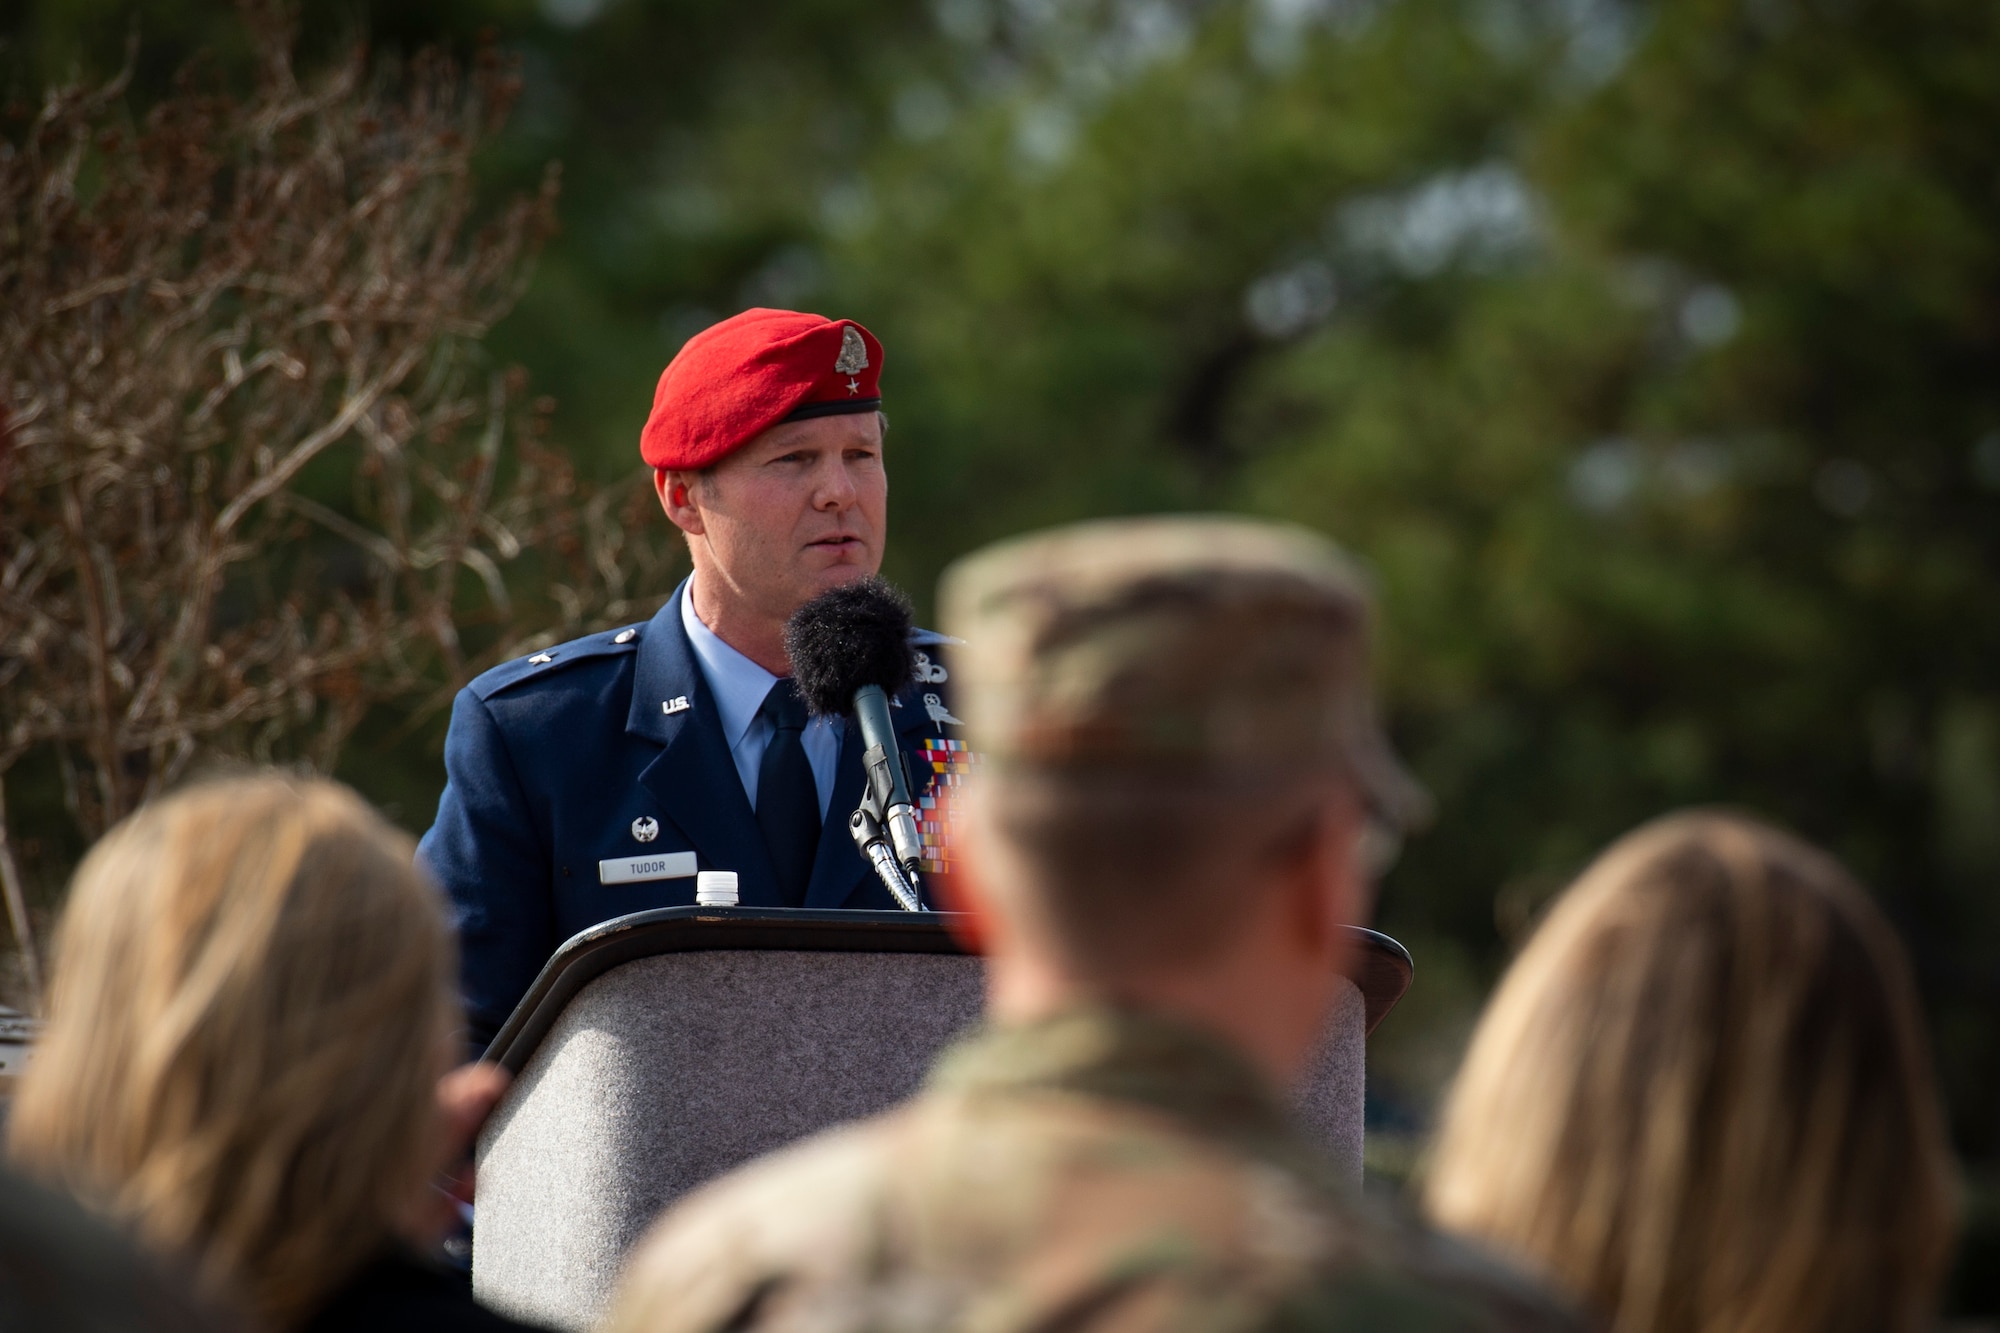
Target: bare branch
x=17 y=900
x=261 y=478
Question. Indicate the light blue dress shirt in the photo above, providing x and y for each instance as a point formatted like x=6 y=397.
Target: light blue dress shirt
x=739 y=686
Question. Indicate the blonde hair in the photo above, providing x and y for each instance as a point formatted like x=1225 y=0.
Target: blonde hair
x=1701 y=1102
x=250 y=1009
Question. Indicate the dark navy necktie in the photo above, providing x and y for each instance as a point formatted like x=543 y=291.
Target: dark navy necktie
x=787 y=798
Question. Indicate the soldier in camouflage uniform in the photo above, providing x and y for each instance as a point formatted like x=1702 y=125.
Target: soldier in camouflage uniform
x=1181 y=775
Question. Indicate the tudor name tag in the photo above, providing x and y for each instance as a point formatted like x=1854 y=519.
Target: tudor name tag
x=633 y=869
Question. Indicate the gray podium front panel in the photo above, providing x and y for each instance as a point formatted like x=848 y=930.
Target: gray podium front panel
x=655 y=1073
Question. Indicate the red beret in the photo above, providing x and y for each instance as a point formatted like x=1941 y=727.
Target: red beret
x=737 y=379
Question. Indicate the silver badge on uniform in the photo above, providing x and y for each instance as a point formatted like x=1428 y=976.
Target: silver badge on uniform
x=645 y=828
x=926 y=671
x=853 y=352
x=939 y=713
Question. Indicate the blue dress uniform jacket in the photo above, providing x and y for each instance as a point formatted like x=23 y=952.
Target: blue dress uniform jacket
x=564 y=759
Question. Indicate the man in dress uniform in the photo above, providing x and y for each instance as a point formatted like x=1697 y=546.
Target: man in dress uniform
x=595 y=778
x=1180 y=771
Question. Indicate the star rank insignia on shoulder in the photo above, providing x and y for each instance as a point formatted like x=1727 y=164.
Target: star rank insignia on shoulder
x=543 y=662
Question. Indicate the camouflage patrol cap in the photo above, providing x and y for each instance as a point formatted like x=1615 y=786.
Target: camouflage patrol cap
x=1183 y=644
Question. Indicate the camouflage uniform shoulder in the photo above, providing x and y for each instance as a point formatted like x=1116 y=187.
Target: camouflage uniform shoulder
x=803 y=1216
x=1093 y=1171
x=546 y=662
x=1420 y=1280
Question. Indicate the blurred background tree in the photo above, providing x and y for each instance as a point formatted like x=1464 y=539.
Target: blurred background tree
x=261 y=482
x=1649 y=353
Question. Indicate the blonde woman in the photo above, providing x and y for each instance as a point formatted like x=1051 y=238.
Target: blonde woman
x=246 y=1062
x=1700 y=1101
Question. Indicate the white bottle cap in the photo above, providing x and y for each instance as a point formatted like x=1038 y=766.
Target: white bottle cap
x=715 y=888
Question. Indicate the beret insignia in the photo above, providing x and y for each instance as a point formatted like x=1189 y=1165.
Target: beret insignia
x=853 y=357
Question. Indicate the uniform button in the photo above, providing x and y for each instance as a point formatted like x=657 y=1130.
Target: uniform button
x=625 y=636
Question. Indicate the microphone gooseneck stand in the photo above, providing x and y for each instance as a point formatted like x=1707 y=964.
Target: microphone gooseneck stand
x=866 y=830
x=885 y=825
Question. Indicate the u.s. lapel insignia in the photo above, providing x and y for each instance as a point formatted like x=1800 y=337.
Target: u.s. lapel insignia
x=853 y=357
x=645 y=828
x=678 y=704
x=939 y=713
x=926 y=671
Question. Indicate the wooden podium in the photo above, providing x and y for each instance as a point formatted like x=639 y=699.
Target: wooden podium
x=662 y=1048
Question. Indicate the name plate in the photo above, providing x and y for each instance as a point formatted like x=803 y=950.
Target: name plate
x=634 y=869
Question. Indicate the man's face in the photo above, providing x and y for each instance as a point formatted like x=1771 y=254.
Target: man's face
x=801 y=508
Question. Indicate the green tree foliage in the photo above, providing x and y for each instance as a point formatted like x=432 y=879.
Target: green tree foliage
x=1658 y=386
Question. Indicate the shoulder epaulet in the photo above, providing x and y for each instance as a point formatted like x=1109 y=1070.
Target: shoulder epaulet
x=534 y=666
x=925 y=638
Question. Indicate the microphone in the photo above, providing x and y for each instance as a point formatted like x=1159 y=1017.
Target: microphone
x=850 y=650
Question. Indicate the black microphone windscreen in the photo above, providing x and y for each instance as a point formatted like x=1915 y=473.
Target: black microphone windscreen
x=854 y=635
